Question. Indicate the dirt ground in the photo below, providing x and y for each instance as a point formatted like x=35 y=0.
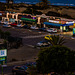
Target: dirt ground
x=22 y=54
x=68 y=11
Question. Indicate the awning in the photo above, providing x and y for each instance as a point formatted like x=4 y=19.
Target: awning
x=70 y=24
x=29 y=20
x=52 y=24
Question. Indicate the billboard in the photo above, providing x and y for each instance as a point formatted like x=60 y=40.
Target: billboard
x=3 y=53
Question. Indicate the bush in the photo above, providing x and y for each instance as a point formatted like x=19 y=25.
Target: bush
x=32 y=11
x=58 y=59
x=51 y=13
x=13 y=59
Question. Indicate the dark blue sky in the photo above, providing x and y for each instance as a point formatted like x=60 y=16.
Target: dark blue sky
x=52 y=1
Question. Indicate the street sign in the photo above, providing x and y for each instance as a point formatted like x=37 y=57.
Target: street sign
x=3 y=57
x=3 y=53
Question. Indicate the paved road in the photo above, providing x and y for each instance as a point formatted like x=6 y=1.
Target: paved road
x=33 y=41
x=6 y=70
x=31 y=37
x=70 y=43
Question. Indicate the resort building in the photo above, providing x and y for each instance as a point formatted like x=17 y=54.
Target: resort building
x=38 y=20
x=11 y=17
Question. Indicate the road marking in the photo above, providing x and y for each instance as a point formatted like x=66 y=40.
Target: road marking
x=35 y=36
x=30 y=45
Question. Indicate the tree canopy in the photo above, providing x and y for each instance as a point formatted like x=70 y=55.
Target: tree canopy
x=58 y=59
x=45 y=4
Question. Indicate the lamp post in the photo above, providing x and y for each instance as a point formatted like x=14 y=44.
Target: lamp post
x=2 y=67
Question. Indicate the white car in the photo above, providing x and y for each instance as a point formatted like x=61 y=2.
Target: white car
x=5 y=22
x=43 y=43
x=19 y=25
x=6 y=26
x=33 y=27
x=52 y=30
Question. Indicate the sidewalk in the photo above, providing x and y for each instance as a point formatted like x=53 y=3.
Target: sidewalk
x=67 y=35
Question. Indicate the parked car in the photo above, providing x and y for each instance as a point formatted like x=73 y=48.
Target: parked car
x=42 y=29
x=6 y=25
x=5 y=22
x=13 y=24
x=20 y=70
x=33 y=27
x=1 y=22
x=52 y=30
x=44 y=43
x=26 y=26
x=48 y=37
x=19 y=25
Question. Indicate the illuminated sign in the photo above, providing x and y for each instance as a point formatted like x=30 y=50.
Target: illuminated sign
x=3 y=53
x=2 y=58
x=54 y=21
x=70 y=22
x=73 y=31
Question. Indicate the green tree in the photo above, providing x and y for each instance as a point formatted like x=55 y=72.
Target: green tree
x=58 y=59
x=57 y=40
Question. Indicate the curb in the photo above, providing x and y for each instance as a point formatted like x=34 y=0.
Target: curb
x=20 y=62
x=30 y=45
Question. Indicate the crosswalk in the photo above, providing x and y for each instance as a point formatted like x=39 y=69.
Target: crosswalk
x=43 y=35
x=37 y=36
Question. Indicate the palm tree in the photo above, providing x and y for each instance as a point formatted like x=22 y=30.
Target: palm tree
x=57 y=40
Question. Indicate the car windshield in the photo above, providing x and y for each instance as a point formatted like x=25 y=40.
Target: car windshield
x=25 y=67
x=21 y=68
x=4 y=24
x=50 y=29
x=44 y=41
x=47 y=36
x=19 y=24
x=17 y=67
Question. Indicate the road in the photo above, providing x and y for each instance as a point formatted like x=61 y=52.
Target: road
x=31 y=38
x=6 y=70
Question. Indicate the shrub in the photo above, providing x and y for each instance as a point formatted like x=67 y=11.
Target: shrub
x=58 y=59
